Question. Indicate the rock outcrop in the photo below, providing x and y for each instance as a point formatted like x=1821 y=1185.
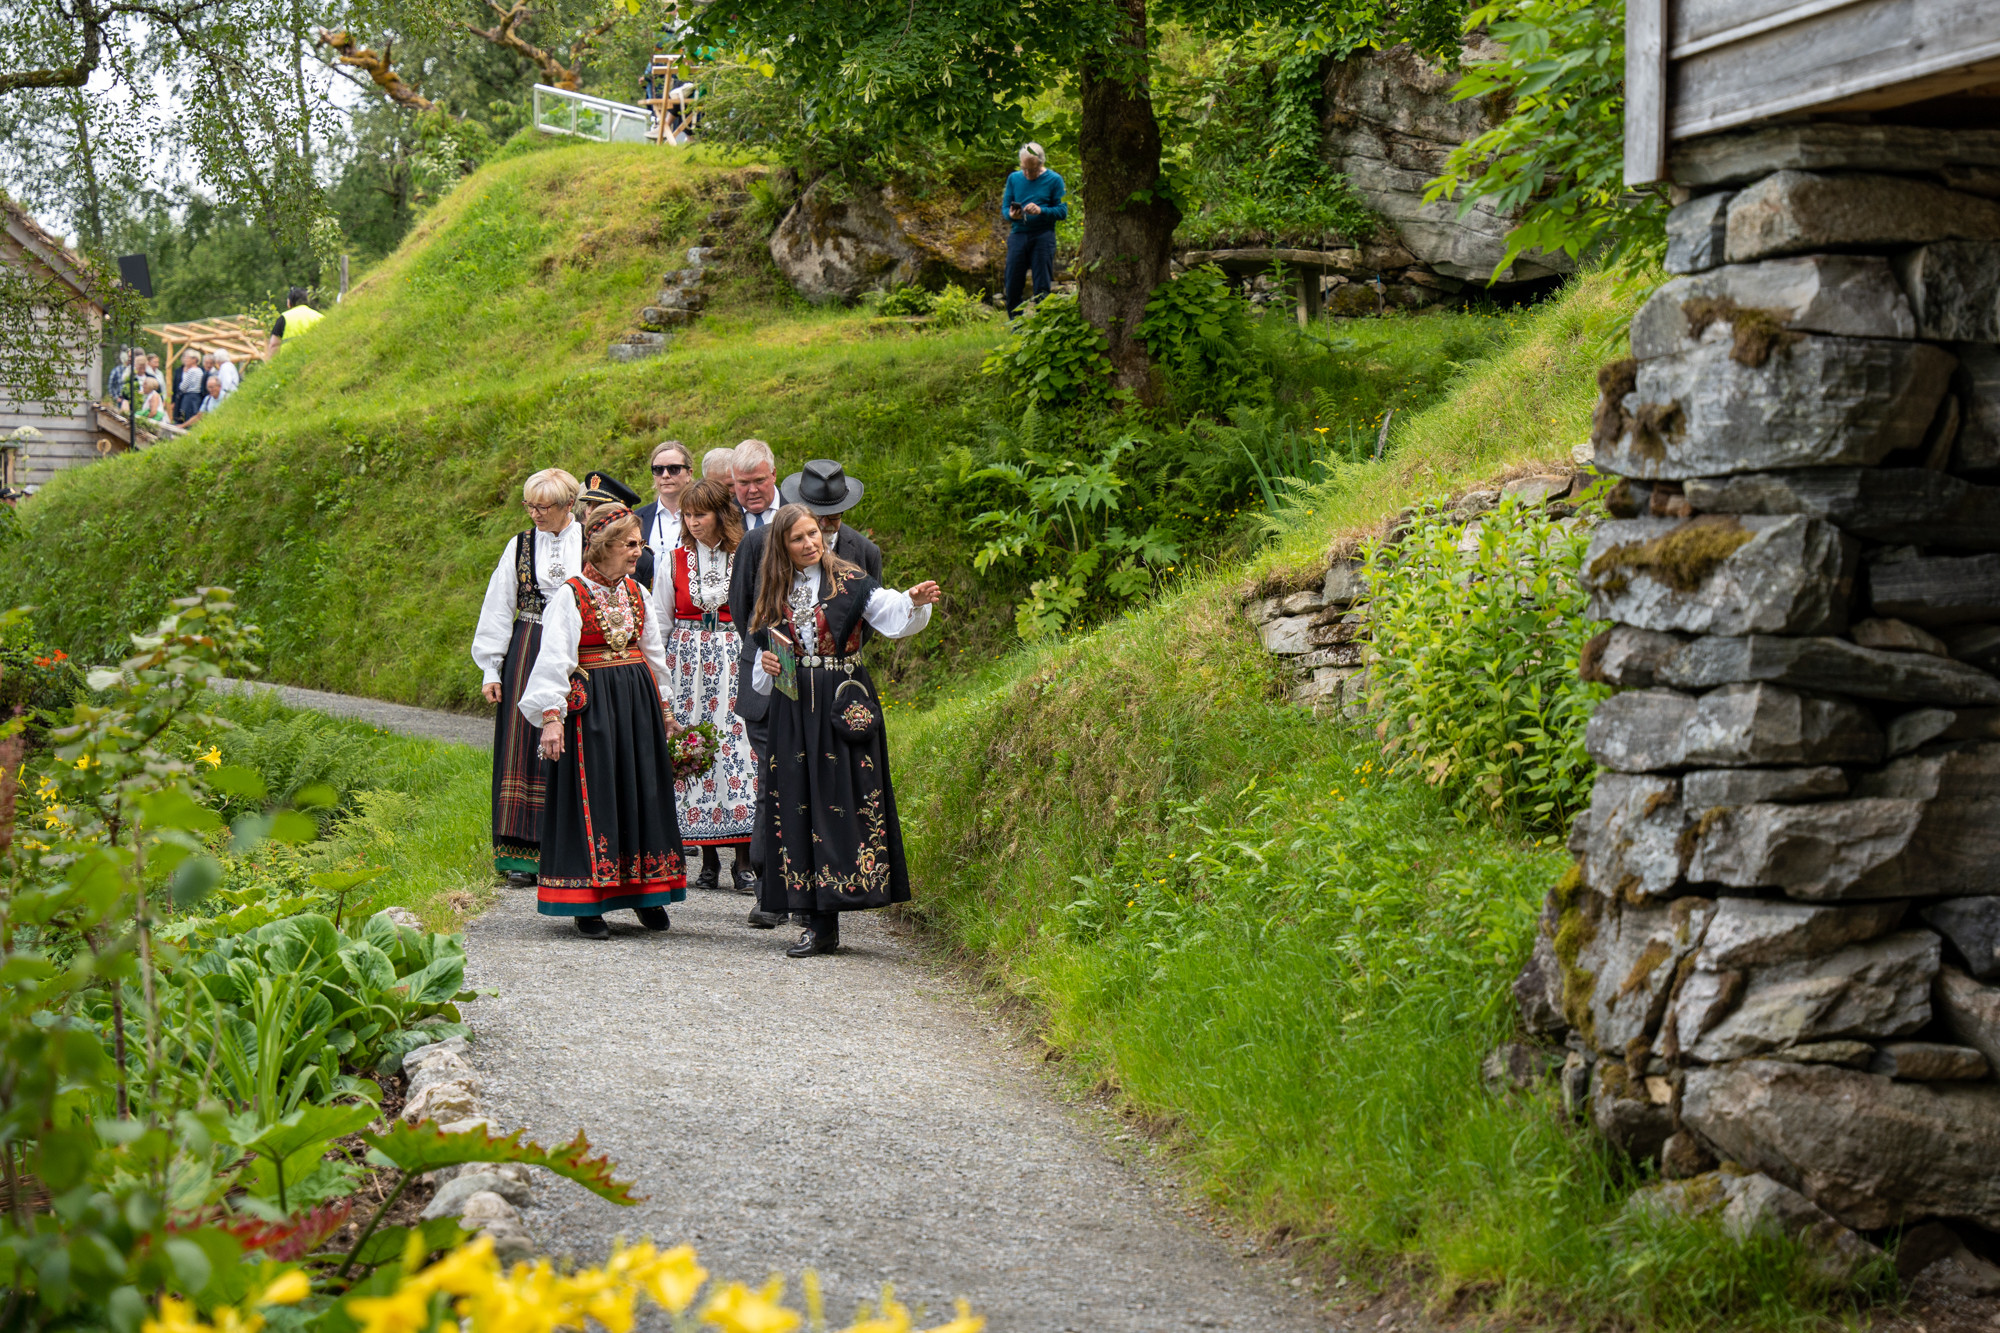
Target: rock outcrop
x=839 y=241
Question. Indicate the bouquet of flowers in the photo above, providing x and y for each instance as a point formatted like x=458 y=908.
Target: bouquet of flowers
x=694 y=750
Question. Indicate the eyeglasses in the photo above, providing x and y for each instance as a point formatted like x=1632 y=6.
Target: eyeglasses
x=669 y=469
x=534 y=508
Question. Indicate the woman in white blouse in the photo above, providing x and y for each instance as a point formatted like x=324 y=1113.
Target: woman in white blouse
x=533 y=566
x=611 y=838
x=836 y=845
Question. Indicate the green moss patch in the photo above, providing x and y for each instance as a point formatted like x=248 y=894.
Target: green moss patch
x=1683 y=559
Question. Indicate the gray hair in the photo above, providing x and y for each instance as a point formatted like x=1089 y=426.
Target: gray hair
x=551 y=485
x=752 y=454
x=717 y=464
x=1034 y=150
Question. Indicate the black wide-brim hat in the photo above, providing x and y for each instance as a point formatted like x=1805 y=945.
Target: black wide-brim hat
x=822 y=486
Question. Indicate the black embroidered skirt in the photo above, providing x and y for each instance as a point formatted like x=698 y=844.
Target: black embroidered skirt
x=610 y=837
x=836 y=845
x=518 y=776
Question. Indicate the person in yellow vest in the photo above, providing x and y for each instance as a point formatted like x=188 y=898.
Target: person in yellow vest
x=298 y=317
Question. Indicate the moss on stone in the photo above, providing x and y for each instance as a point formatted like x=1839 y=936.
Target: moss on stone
x=1757 y=332
x=1576 y=927
x=1682 y=559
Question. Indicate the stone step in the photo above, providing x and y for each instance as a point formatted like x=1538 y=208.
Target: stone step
x=665 y=316
x=627 y=350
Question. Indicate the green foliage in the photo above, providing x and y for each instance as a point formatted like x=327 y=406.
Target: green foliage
x=1061 y=530
x=417 y=1149
x=1477 y=628
x=1559 y=154
x=1053 y=357
x=910 y=300
x=36 y=681
x=1197 y=330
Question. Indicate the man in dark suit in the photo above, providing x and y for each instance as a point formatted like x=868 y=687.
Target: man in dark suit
x=824 y=487
x=660 y=517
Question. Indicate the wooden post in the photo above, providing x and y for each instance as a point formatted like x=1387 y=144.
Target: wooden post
x=1309 y=295
x=1645 y=91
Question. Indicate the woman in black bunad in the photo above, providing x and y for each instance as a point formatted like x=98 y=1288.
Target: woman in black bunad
x=600 y=692
x=837 y=846
x=532 y=567
x=716 y=808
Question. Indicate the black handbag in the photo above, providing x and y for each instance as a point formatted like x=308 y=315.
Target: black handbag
x=859 y=717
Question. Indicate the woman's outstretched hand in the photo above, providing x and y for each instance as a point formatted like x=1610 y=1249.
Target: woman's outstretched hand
x=491 y=691
x=552 y=741
x=926 y=593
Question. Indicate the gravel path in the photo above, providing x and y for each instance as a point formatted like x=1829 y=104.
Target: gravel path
x=856 y=1114
x=429 y=723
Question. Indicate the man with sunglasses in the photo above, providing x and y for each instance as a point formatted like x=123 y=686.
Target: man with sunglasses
x=660 y=518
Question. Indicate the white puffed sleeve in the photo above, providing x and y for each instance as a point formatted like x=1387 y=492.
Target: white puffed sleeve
x=496 y=618
x=655 y=648
x=548 y=683
x=893 y=615
x=759 y=681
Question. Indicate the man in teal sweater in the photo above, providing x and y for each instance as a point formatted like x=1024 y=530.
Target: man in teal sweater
x=1033 y=202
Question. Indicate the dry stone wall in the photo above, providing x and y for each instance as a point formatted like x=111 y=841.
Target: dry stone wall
x=1778 y=958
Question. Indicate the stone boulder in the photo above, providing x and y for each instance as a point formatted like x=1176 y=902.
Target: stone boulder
x=1648 y=730
x=1973 y=927
x=1881 y=988
x=1809 y=663
x=1633 y=954
x=1721 y=575
x=1636 y=1115
x=1753 y=1204
x=836 y=243
x=1954 y=288
x=1903 y=505
x=1791 y=212
x=1390 y=123
x=1969 y=1011
x=1870 y=1151
x=1631 y=838
x=1854 y=296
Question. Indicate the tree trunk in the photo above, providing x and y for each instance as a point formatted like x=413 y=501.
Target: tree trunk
x=1128 y=225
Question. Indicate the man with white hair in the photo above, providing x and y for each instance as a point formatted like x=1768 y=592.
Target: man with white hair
x=1033 y=202
x=718 y=465
x=754 y=474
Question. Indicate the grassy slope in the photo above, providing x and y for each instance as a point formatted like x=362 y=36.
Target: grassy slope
x=1290 y=963
x=357 y=492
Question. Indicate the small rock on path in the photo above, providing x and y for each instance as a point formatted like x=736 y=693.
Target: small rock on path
x=855 y=1114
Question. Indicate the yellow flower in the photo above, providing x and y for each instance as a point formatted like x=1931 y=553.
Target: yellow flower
x=228 y=1321
x=596 y=1293
x=737 y=1309
x=967 y=1322
x=213 y=758
x=469 y=1270
x=672 y=1279
x=895 y=1317
x=408 y=1310
x=176 y=1316
x=290 y=1289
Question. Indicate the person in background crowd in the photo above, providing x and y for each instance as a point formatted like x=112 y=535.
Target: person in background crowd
x=188 y=387
x=838 y=844
x=716 y=465
x=210 y=367
x=822 y=485
x=213 y=398
x=600 y=688
x=225 y=368
x=601 y=489
x=660 y=517
x=1033 y=203
x=533 y=566
x=717 y=808
x=153 y=408
x=153 y=369
x=754 y=474
x=298 y=317
x=120 y=376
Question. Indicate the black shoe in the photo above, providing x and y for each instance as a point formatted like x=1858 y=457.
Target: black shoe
x=710 y=878
x=746 y=881
x=763 y=920
x=812 y=941
x=592 y=927
x=652 y=918
x=520 y=879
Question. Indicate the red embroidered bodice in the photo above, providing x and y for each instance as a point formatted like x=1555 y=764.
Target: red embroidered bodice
x=685 y=606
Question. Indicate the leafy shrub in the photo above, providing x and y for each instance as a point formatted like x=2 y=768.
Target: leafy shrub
x=1197 y=329
x=1053 y=357
x=910 y=300
x=956 y=307
x=1478 y=627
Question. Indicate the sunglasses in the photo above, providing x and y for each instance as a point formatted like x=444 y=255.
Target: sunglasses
x=669 y=469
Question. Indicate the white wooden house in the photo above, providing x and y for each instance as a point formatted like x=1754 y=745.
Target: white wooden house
x=70 y=435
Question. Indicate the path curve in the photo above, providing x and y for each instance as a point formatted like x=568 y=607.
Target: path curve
x=858 y=1114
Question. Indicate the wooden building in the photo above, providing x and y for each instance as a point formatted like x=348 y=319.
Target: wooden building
x=1695 y=68
x=69 y=435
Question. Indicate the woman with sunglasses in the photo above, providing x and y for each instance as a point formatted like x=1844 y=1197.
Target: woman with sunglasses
x=660 y=518
x=533 y=566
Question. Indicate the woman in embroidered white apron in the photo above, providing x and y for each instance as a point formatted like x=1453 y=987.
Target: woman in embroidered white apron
x=533 y=566
x=600 y=691
x=716 y=807
x=836 y=843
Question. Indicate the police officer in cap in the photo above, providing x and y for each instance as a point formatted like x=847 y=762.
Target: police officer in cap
x=824 y=487
x=601 y=488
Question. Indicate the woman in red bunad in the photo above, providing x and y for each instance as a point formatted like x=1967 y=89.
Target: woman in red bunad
x=716 y=808
x=599 y=691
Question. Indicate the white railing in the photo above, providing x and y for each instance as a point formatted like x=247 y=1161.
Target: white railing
x=559 y=111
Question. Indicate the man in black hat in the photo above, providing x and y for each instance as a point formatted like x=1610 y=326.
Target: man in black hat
x=601 y=488
x=824 y=487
